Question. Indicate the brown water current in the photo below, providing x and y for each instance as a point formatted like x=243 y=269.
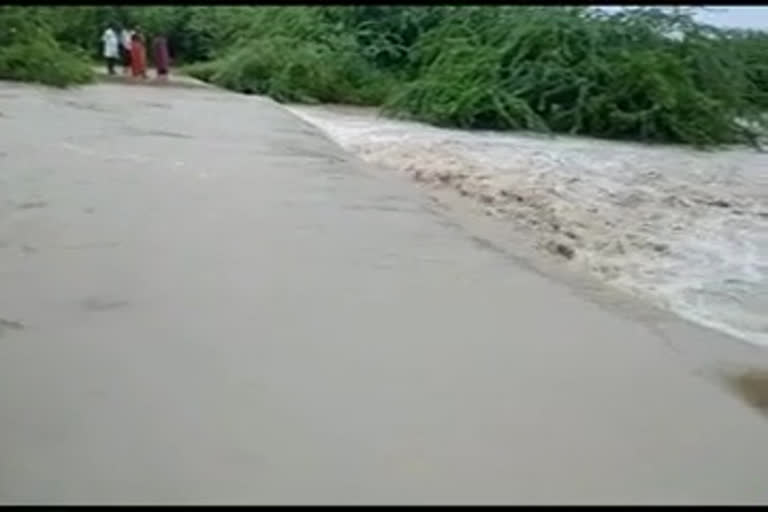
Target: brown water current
x=686 y=230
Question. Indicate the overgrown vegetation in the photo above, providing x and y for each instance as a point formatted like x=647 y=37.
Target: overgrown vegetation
x=293 y=54
x=751 y=46
x=641 y=74
x=30 y=53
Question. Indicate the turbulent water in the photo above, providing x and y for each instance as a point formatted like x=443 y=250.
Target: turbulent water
x=685 y=229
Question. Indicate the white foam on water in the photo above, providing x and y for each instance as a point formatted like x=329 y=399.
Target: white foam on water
x=685 y=229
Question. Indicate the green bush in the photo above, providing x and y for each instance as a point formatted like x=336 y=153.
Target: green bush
x=641 y=74
x=580 y=72
x=195 y=33
x=44 y=63
x=29 y=53
x=752 y=48
x=289 y=70
x=638 y=74
x=293 y=55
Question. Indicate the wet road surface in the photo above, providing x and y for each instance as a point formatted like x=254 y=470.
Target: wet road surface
x=205 y=301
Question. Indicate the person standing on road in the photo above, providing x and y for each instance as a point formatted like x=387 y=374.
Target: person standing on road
x=160 y=56
x=138 y=56
x=111 y=51
x=125 y=49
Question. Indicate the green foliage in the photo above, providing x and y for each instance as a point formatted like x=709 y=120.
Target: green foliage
x=196 y=33
x=43 y=62
x=386 y=34
x=642 y=74
x=293 y=71
x=292 y=54
x=581 y=72
x=79 y=26
x=752 y=48
x=29 y=53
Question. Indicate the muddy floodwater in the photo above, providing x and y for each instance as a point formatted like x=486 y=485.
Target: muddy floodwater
x=205 y=299
x=684 y=229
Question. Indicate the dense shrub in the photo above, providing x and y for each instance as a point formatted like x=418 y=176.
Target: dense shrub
x=580 y=72
x=638 y=74
x=29 y=53
x=751 y=46
x=293 y=54
x=641 y=74
x=293 y=71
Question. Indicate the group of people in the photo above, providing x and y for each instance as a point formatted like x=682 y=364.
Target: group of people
x=128 y=48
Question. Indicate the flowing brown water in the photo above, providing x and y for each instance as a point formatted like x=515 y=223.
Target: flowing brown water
x=685 y=229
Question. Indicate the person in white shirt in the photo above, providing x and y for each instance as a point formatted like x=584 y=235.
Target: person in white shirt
x=126 y=36
x=111 y=51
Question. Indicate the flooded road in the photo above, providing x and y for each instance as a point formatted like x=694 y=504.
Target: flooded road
x=683 y=229
x=203 y=300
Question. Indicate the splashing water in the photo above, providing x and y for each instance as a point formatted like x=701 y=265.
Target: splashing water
x=685 y=229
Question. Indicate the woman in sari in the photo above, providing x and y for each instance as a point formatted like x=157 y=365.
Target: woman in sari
x=138 y=56
x=160 y=56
